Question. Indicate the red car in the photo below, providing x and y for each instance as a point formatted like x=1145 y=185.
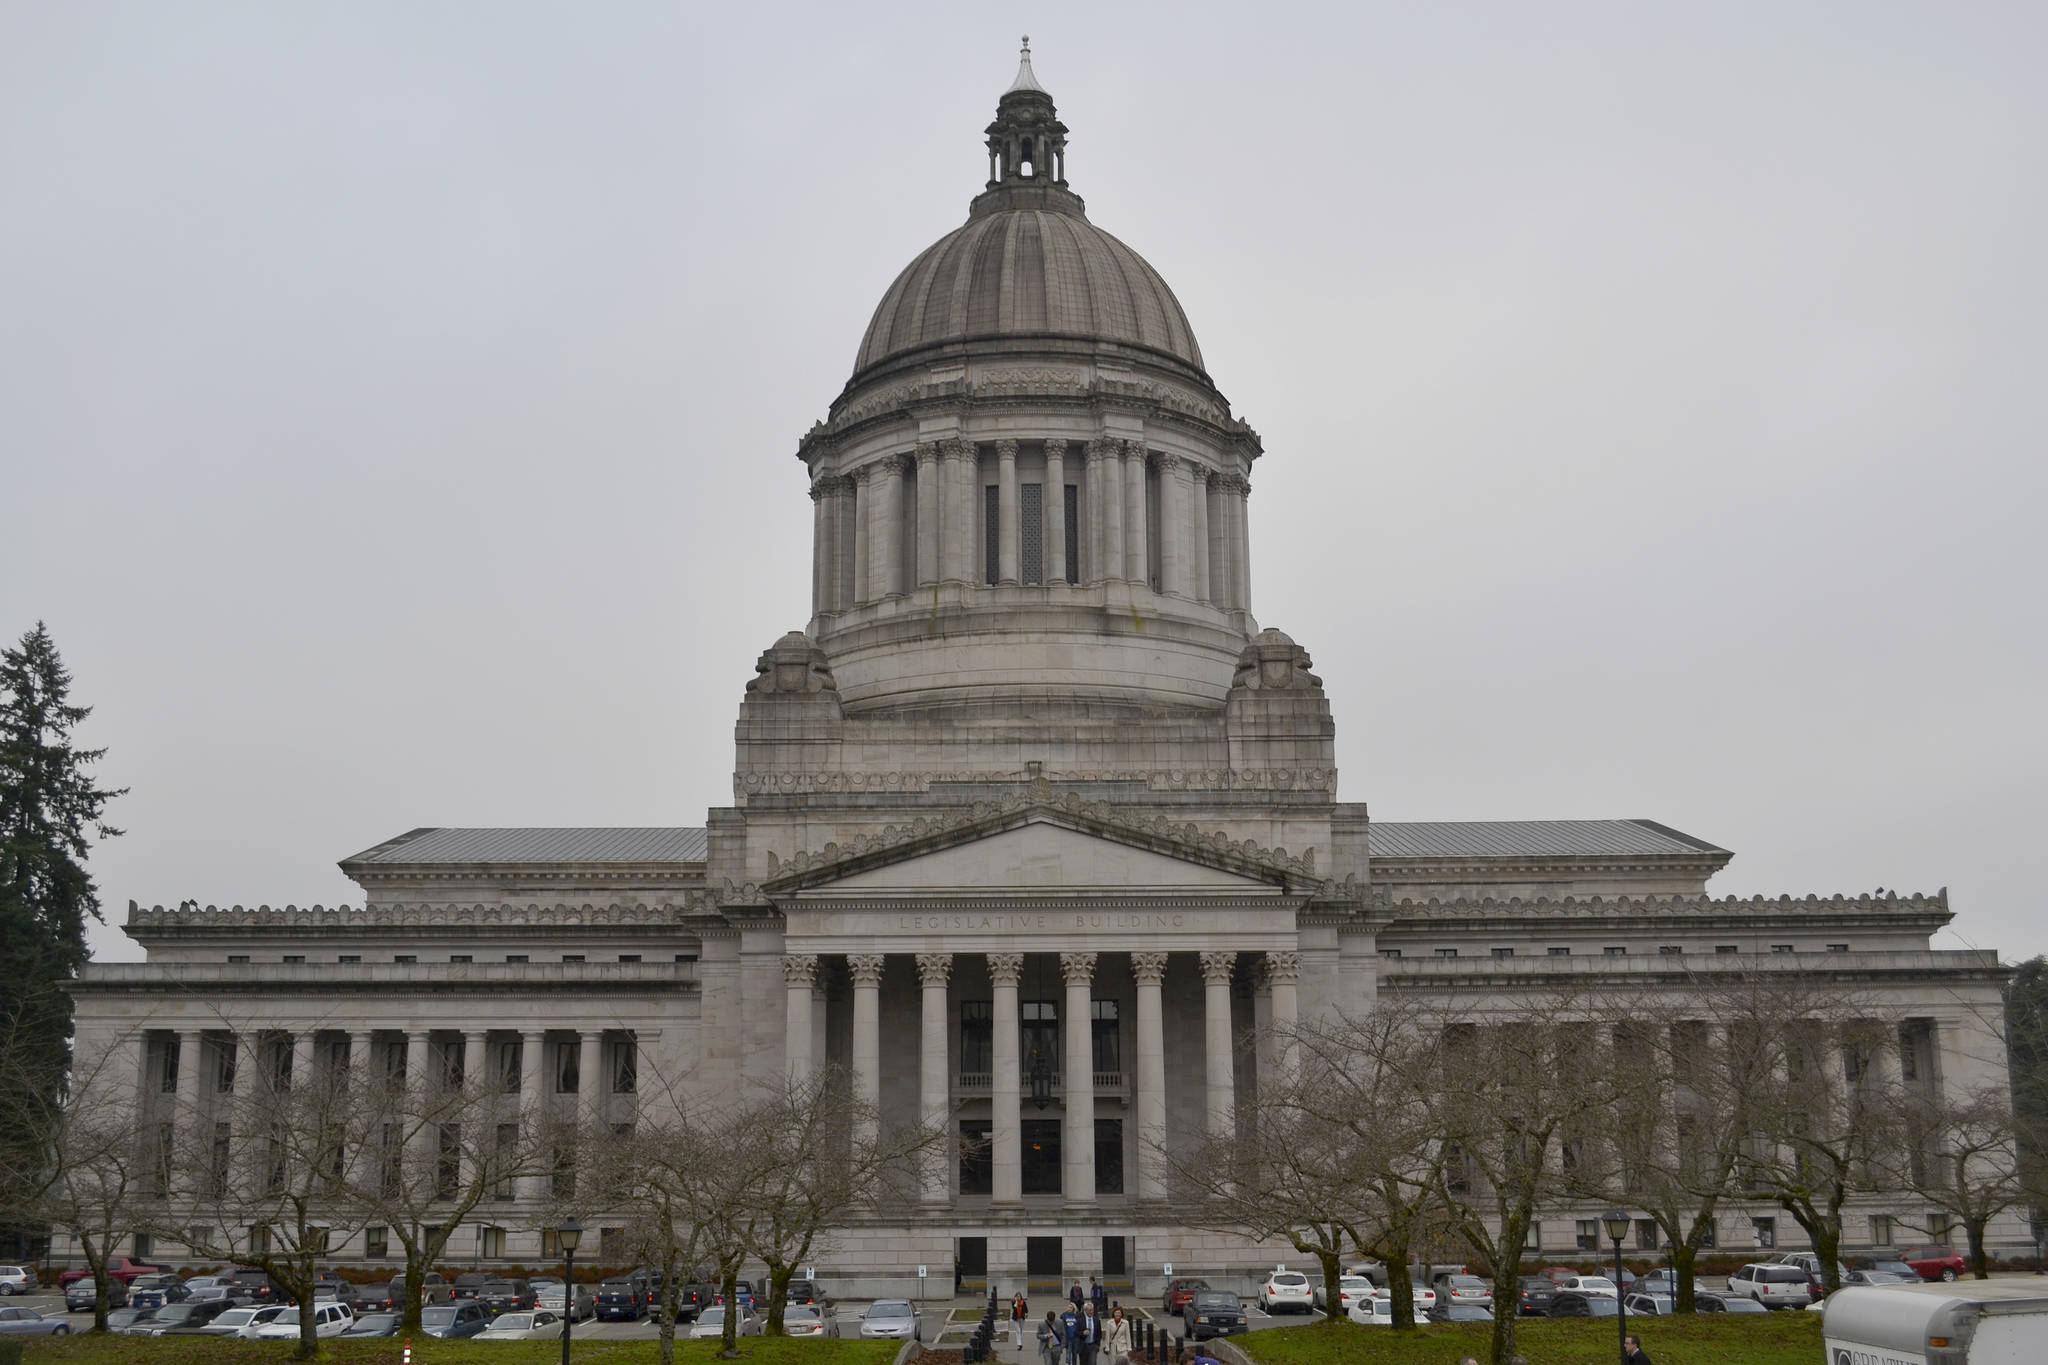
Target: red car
x=1181 y=1293
x=1934 y=1262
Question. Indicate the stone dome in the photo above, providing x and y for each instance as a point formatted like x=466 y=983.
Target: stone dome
x=1027 y=265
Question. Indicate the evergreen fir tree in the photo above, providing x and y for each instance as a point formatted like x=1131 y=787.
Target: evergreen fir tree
x=50 y=807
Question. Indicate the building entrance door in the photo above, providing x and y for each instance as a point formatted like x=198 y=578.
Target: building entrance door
x=1042 y=1262
x=1041 y=1140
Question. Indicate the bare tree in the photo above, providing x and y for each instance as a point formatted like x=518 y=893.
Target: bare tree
x=1961 y=1159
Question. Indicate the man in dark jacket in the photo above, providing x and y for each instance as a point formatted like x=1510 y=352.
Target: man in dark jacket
x=1632 y=1352
x=1098 y=1295
x=1091 y=1335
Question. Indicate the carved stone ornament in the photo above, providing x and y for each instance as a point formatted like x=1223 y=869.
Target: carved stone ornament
x=927 y=454
x=934 y=970
x=1077 y=968
x=865 y=968
x=1149 y=969
x=1101 y=449
x=1006 y=449
x=1168 y=463
x=1005 y=968
x=1056 y=448
x=799 y=969
x=1283 y=968
x=1218 y=967
x=792 y=665
x=1272 y=662
x=957 y=448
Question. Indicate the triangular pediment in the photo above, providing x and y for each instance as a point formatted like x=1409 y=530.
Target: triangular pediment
x=1045 y=842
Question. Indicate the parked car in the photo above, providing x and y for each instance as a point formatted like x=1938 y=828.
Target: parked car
x=1350 y=1289
x=1588 y=1285
x=1870 y=1277
x=1572 y=1303
x=79 y=1298
x=187 y=1318
x=374 y=1325
x=623 y=1298
x=330 y=1319
x=1731 y=1304
x=806 y=1320
x=893 y=1318
x=555 y=1299
x=507 y=1296
x=1213 y=1313
x=454 y=1320
x=27 y=1322
x=1460 y=1312
x=1898 y=1268
x=1535 y=1294
x=467 y=1285
x=1464 y=1289
x=1378 y=1311
x=434 y=1289
x=121 y=1319
x=744 y=1289
x=1656 y=1282
x=328 y=1285
x=154 y=1291
x=1934 y=1262
x=1179 y=1293
x=526 y=1326
x=16 y=1279
x=805 y=1292
x=119 y=1268
x=1286 y=1291
x=1651 y=1305
x=254 y=1285
x=214 y=1293
x=711 y=1322
x=242 y=1321
x=1773 y=1286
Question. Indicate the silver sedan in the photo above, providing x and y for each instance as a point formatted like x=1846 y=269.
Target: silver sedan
x=891 y=1318
x=27 y=1322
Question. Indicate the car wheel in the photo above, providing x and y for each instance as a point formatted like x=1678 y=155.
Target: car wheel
x=62 y=1329
x=1948 y=1274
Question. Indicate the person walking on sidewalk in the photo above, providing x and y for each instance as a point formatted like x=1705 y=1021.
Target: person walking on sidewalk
x=1019 y=1310
x=1116 y=1338
x=1049 y=1340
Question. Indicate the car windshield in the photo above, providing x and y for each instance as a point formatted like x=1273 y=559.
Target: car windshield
x=711 y=1317
x=378 y=1320
x=514 y=1322
x=897 y=1309
x=1466 y=1282
x=1215 y=1300
x=1354 y=1282
x=289 y=1316
x=799 y=1315
x=437 y=1317
x=236 y=1317
x=1594 y=1282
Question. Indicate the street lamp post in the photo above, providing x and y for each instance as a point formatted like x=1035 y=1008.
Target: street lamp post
x=570 y=1233
x=1616 y=1225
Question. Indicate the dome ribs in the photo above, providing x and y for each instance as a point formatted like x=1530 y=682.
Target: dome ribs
x=1066 y=306
x=1025 y=310
x=986 y=275
x=944 y=313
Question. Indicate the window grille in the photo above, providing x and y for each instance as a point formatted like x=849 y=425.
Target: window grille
x=1031 y=512
x=991 y=533
x=977 y=1037
x=1108 y=1047
x=1073 y=533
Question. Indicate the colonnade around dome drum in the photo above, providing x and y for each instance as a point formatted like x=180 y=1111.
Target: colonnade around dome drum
x=1009 y=512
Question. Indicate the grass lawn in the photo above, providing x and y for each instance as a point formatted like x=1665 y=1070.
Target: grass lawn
x=98 y=1349
x=1734 y=1339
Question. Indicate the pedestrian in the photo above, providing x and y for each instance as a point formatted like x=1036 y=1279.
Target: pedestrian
x=1049 y=1340
x=1019 y=1310
x=1098 y=1294
x=1116 y=1338
x=1076 y=1297
x=1632 y=1352
x=1070 y=1334
x=1091 y=1334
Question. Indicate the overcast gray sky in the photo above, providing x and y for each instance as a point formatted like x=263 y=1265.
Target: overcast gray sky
x=398 y=401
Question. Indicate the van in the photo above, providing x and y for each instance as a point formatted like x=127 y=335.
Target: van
x=1971 y=1322
x=1773 y=1286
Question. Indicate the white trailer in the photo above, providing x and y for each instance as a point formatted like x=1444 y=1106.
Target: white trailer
x=1969 y=1322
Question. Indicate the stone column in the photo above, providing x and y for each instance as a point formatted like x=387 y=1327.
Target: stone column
x=934 y=1086
x=591 y=1087
x=1175 y=577
x=478 y=1130
x=957 y=538
x=1079 y=1142
x=1009 y=534
x=1137 y=559
x=863 y=532
x=885 y=557
x=799 y=973
x=1106 y=491
x=1006 y=1090
x=359 y=1045
x=1198 y=533
x=866 y=971
x=927 y=514
x=185 y=1125
x=420 y=1082
x=1242 y=505
x=1150 y=971
x=1283 y=972
x=1217 y=1043
x=533 y=1079
x=473 y=1063
x=1055 y=557
x=1218 y=518
x=821 y=544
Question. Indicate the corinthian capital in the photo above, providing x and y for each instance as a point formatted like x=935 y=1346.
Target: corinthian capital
x=957 y=448
x=1005 y=968
x=799 y=969
x=1283 y=969
x=1168 y=462
x=1077 y=968
x=1101 y=449
x=865 y=968
x=927 y=454
x=1056 y=448
x=1217 y=967
x=1006 y=449
x=1148 y=968
x=934 y=969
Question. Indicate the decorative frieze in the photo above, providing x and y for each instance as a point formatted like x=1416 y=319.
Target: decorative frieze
x=1155 y=779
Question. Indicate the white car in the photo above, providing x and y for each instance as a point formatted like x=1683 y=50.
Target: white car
x=1588 y=1284
x=330 y=1319
x=1289 y=1290
x=242 y=1323
x=1650 y=1305
x=1378 y=1311
x=16 y=1279
x=1350 y=1289
x=893 y=1318
x=711 y=1323
x=552 y=1297
x=802 y=1320
x=538 y=1325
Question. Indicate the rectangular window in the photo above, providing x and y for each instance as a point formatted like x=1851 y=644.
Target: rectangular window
x=991 y=533
x=977 y=1169
x=403 y=958
x=461 y=957
x=508 y=1067
x=1031 y=545
x=1390 y=952
x=291 y=959
x=1039 y=1041
x=222 y=1137
x=238 y=957
x=625 y=1065
x=1109 y=1156
x=686 y=957
x=1073 y=532
x=391 y=1160
x=142 y=1246
x=1041 y=1140
x=1838 y=947
x=1726 y=948
x=977 y=1038
x=448 y=1163
x=1614 y=950
x=1499 y=953
x=1708 y=1236
x=259 y=1240
x=1648 y=1235
x=1558 y=952
x=562 y=1173
x=1880 y=1229
x=572 y=957
x=505 y=1156
x=629 y=957
x=376 y=1243
x=566 y=1063
x=611 y=1246
x=1670 y=950
x=1781 y=947
x=1765 y=1231
x=513 y=959
x=1588 y=1234
x=1107 y=1042
x=1534 y=1241
x=1937 y=1227
x=1447 y=952
x=493 y=1244
x=224 y=1079
x=347 y=958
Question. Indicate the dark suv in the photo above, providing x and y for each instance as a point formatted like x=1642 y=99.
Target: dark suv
x=506 y=1296
x=623 y=1298
x=254 y=1285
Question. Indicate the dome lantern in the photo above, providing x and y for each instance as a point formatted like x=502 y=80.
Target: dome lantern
x=1027 y=141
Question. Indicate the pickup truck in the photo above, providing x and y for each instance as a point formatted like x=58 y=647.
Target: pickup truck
x=119 y=1268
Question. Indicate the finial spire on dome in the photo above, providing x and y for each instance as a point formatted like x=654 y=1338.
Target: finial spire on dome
x=1025 y=80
